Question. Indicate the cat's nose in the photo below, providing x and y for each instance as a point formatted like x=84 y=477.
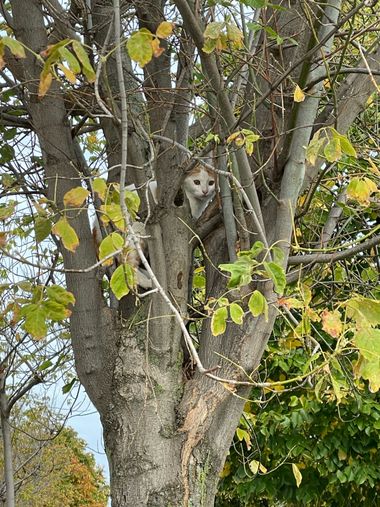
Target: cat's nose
x=205 y=192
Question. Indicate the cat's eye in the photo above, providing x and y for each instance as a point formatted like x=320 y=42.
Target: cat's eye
x=211 y=183
x=197 y=182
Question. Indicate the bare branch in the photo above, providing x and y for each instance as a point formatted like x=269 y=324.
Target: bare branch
x=326 y=258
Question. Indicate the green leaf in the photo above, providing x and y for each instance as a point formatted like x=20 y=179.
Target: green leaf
x=68 y=236
x=88 y=71
x=240 y=270
x=219 y=321
x=99 y=186
x=199 y=281
x=122 y=280
x=56 y=311
x=278 y=255
x=113 y=212
x=254 y=27
x=314 y=148
x=8 y=135
x=244 y=435
x=256 y=248
x=42 y=228
x=110 y=245
x=277 y=274
x=132 y=200
x=347 y=147
x=15 y=47
x=6 y=211
x=257 y=304
x=75 y=196
x=345 y=144
x=368 y=343
x=366 y=312
x=213 y=30
x=255 y=4
x=209 y=46
x=139 y=46
x=71 y=60
x=35 y=320
x=67 y=387
x=60 y=295
x=333 y=150
x=45 y=365
x=237 y=313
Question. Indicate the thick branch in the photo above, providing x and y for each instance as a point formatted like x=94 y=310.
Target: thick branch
x=325 y=258
x=226 y=111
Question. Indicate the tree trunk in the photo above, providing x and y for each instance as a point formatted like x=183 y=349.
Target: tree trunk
x=7 y=447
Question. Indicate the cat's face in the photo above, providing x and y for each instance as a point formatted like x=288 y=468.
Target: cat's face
x=200 y=183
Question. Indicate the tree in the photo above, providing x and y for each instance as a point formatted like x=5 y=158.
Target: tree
x=24 y=365
x=53 y=467
x=255 y=82
x=297 y=446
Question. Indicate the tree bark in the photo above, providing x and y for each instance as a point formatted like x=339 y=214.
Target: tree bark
x=7 y=446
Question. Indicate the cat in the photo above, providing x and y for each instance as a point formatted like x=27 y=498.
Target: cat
x=199 y=186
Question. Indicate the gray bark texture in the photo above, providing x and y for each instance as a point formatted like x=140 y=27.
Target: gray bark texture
x=168 y=427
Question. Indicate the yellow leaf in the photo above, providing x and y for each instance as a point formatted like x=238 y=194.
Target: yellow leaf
x=68 y=236
x=373 y=168
x=164 y=30
x=297 y=474
x=342 y=455
x=233 y=136
x=299 y=95
x=75 y=196
x=109 y=245
x=46 y=79
x=15 y=47
x=70 y=76
x=263 y=469
x=218 y=321
x=221 y=42
x=255 y=466
x=157 y=49
x=226 y=470
x=99 y=186
x=244 y=435
x=331 y=323
x=113 y=212
x=234 y=35
x=139 y=46
x=360 y=189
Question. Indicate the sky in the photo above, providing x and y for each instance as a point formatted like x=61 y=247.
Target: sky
x=86 y=422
